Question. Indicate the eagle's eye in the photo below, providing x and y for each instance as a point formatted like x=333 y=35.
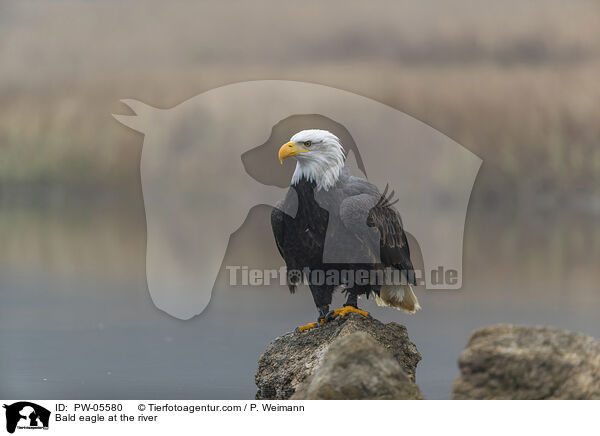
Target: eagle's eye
x=307 y=143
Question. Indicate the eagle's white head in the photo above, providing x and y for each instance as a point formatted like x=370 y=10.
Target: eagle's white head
x=319 y=154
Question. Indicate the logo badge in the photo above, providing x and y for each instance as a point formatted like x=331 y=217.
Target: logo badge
x=26 y=415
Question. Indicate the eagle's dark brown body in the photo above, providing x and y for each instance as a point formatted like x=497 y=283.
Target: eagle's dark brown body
x=342 y=217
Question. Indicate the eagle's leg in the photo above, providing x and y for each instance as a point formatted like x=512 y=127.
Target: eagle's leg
x=351 y=300
x=351 y=306
x=323 y=311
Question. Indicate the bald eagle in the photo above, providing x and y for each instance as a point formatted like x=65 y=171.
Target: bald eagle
x=342 y=227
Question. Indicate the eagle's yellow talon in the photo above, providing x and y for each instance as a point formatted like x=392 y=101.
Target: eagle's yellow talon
x=333 y=315
x=309 y=326
x=349 y=309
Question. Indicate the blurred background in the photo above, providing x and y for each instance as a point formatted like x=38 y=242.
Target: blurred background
x=515 y=82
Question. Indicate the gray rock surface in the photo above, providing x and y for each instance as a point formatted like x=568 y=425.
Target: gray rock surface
x=510 y=362
x=356 y=357
x=356 y=367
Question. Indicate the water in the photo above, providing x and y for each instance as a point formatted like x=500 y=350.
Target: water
x=77 y=321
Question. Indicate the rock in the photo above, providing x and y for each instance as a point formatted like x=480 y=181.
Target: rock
x=510 y=362
x=356 y=367
x=356 y=357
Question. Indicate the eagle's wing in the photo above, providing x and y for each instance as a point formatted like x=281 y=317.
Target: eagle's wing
x=282 y=213
x=365 y=206
x=359 y=197
x=394 y=243
x=278 y=226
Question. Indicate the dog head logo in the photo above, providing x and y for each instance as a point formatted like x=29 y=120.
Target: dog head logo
x=203 y=168
x=24 y=414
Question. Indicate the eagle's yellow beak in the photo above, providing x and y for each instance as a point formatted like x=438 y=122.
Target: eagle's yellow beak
x=288 y=150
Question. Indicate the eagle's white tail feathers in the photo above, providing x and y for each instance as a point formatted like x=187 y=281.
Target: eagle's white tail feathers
x=401 y=297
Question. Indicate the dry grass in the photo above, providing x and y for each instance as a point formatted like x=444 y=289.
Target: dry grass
x=514 y=82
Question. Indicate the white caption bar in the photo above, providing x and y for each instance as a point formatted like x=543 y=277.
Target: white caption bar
x=302 y=418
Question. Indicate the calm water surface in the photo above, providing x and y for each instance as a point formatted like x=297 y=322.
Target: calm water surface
x=77 y=321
